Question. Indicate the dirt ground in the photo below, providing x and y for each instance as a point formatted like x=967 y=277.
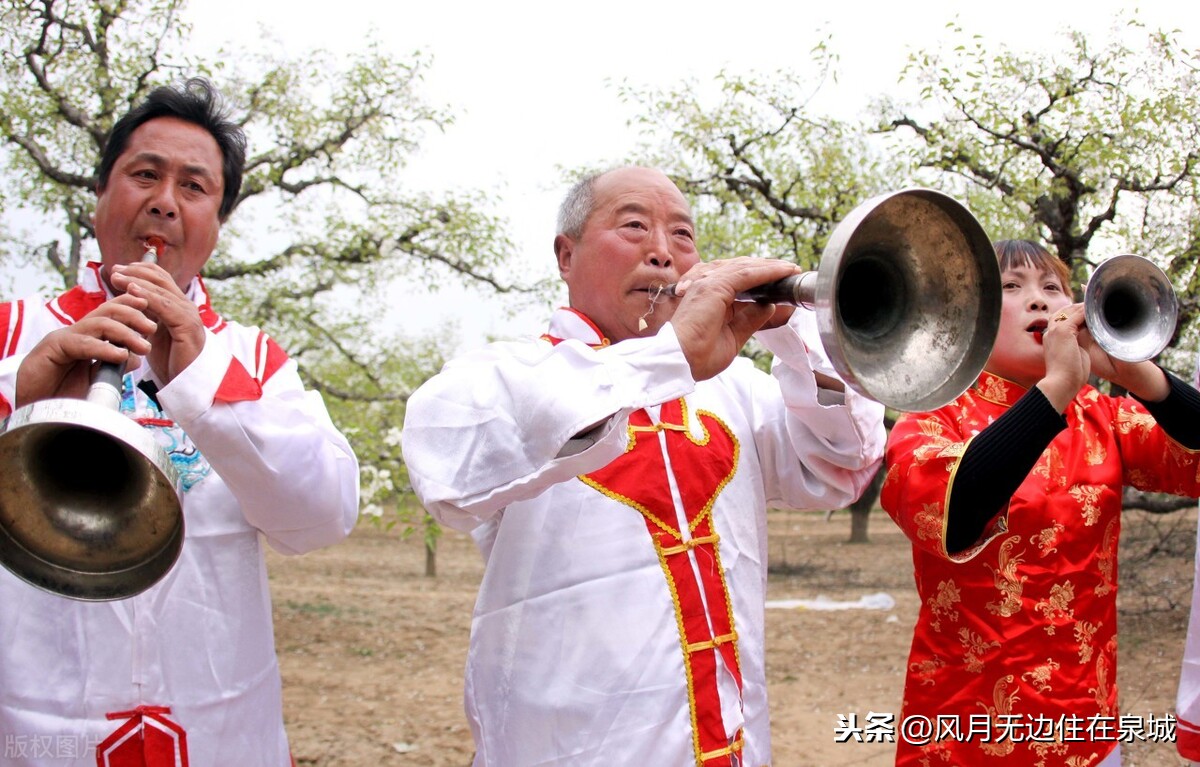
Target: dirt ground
x=372 y=651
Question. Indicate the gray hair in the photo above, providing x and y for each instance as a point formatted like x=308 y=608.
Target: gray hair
x=577 y=206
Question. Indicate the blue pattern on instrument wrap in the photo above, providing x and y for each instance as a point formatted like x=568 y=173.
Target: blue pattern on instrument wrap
x=188 y=461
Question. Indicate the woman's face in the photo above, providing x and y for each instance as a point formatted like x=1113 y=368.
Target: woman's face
x=1031 y=297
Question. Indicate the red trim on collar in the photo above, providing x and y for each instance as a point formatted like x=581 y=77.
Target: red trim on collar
x=596 y=332
x=12 y=317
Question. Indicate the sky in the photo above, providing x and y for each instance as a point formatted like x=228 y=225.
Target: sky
x=532 y=84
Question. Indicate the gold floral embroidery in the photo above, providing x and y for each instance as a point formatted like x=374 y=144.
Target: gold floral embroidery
x=965 y=408
x=1054 y=747
x=931 y=428
x=994 y=389
x=942 y=604
x=936 y=749
x=926 y=669
x=929 y=521
x=1101 y=688
x=1039 y=677
x=1142 y=478
x=974 y=649
x=1094 y=453
x=1050 y=466
x=1046 y=540
x=1007 y=580
x=1085 y=634
x=1077 y=416
x=1179 y=454
x=1106 y=558
x=1134 y=420
x=1058 y=606
x=934 y=443
x=892 y=476
x=1082 y=761
x=1088 y=498
x=1002 y=703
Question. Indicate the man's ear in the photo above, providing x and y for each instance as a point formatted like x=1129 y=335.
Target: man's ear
x=564 y=248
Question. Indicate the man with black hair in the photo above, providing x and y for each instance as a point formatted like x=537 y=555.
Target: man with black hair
x=184 y=673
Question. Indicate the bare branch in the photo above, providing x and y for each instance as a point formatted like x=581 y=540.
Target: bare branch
x=1155 y=503
x=47 y=167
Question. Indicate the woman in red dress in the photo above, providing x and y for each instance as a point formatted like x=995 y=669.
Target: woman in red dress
x=1011 y=496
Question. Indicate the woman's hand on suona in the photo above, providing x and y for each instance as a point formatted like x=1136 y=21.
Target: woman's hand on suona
x=1068 y=362
x=1072 y=354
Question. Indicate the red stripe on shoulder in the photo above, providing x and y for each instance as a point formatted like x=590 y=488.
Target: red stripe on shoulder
x=213 y=321
x=76 y=304
x=238 y=385
x=12 y=316
x=275 y=357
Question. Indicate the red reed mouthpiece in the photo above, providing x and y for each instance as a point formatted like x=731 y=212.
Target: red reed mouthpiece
x=154 y=248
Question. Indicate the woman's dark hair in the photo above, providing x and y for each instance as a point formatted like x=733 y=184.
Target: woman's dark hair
x=195 y=101
x=1014 y=253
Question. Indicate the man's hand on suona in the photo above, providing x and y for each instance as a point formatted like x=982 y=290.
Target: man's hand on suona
x=61 y=364
x=179 y=337
x=710 y=324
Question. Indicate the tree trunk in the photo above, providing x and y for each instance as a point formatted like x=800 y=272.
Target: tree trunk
x=860 y=510
x=431 y=534
x=431 y=557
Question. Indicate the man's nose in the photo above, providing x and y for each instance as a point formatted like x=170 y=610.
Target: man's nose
x=163 y=203
x=658 y=251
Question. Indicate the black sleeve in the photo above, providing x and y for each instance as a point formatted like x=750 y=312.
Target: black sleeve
x=1179 y=413
x=995 y=464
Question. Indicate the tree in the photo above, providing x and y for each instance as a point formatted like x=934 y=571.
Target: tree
x=1089 y=149
x=766 y=177
x=325 y=229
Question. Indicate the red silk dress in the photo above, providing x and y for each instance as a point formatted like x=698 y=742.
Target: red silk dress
x=1016 y=641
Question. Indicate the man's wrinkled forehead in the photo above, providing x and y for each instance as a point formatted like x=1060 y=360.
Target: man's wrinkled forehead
x=642 y=191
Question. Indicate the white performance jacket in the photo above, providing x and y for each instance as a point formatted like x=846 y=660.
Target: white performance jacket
x=1187 y=702
x=190 y=663
x=620 y=617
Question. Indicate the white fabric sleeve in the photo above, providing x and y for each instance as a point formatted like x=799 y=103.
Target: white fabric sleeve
x=293 y=473
x=491 y=428
x=819 y=448
x=1187 y=702
x=8 y=381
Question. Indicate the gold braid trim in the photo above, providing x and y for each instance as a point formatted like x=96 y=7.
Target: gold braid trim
x=731 y=748
x=712 y=644
x=691 y=544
